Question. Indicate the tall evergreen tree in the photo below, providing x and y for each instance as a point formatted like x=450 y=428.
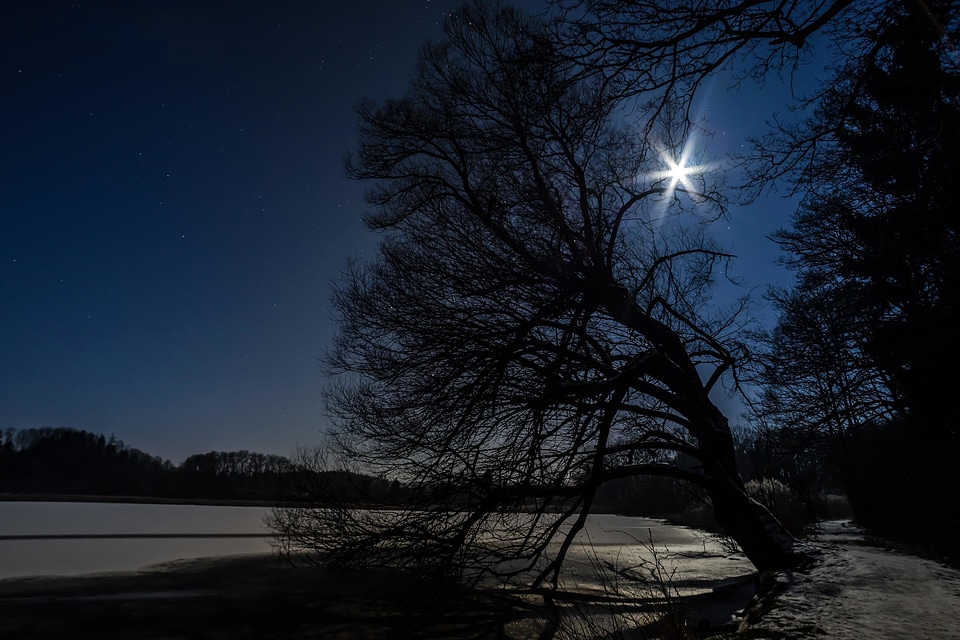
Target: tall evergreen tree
x=875 y=246
x=877 y=231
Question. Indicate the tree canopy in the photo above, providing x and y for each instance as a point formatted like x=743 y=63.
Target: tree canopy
x=534 y=323
x=877 y=229
x=869 y=330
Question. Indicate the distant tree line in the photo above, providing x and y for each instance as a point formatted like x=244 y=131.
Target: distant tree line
x=64 y=461
x=73 y=462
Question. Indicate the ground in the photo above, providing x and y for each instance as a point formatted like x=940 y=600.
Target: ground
x=249 y=597
x=855 y=590
x=860 y=588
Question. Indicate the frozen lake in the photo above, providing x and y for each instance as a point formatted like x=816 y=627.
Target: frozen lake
x=73 y=538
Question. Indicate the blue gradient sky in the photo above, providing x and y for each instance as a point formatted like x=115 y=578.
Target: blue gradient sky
x=173 y=208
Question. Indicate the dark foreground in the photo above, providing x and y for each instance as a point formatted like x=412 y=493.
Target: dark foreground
x=260 y=597
x=253 y=597
x=855 y=590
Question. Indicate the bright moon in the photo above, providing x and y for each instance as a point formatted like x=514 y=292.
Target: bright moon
x=679 y=172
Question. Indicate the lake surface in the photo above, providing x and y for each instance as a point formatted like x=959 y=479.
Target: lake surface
x=72 y=538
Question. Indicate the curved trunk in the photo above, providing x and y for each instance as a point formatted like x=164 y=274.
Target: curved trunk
x=764 y=540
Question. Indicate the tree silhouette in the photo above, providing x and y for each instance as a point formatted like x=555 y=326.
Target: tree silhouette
x=532 y=327
x=74 y=462
x=663 y=51
x=877 y=228
x=875 y=245
x=875 y=309
x=818 y=384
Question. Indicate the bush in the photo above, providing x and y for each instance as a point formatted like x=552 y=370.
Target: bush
x=697 y=516
x=795 y=514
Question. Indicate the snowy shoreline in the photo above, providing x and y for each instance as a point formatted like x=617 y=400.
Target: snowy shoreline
x=857 y=591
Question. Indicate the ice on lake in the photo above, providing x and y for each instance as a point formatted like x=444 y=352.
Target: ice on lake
x=73 y=538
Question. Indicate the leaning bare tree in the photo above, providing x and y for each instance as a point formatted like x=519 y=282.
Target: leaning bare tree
x=863 y=338
x=534 y=324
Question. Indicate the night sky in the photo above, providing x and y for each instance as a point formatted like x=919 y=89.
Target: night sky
x=174 y=209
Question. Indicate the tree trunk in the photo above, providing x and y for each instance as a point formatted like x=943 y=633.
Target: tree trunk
x=764 y=540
